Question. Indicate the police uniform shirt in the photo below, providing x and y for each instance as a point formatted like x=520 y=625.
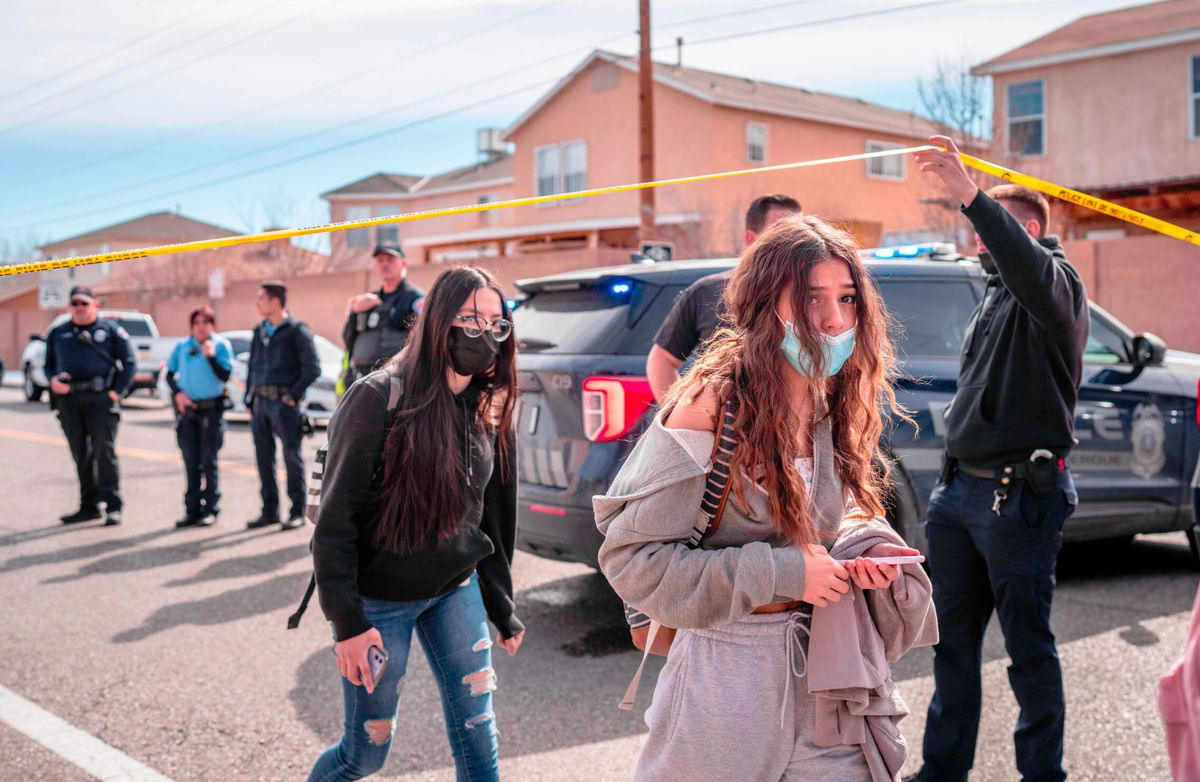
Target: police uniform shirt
x=193 y=373
x=81 y=352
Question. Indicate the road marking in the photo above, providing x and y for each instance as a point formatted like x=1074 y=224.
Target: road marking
x=102 y=761
x=145 y=454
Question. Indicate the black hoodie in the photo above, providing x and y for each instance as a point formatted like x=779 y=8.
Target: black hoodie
x=1022 y=356
x=347 y=563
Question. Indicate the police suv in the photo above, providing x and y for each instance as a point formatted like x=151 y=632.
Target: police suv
x=584 y=337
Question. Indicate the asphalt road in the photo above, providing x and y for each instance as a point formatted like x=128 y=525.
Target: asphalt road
x=169 y=646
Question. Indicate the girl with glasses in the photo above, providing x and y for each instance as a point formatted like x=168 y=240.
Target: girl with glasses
x=416 y=526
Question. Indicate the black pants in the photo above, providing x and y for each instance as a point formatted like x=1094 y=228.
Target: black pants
x=200 y=437
x=982 y=562
x=278 y=419
x=89 y=420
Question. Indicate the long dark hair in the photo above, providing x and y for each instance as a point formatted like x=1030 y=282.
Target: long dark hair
x=424 y=474
x=744 y=361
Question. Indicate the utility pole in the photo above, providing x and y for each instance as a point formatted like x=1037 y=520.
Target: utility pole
x=645 y=123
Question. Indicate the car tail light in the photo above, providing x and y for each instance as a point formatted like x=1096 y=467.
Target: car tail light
x=613 y=405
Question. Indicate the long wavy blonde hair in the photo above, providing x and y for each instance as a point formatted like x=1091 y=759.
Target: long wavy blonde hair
x=745 y=360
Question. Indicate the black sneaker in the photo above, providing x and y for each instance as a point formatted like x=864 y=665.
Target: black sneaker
x=112 y=518
x=83 y=514
x=188 y=521
x=207 y=520
x=292 y=522
x=262 y=521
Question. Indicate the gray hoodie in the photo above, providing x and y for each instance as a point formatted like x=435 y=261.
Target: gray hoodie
x=647 y=517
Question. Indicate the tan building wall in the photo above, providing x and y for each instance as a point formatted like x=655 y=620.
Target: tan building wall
x=1111 y=120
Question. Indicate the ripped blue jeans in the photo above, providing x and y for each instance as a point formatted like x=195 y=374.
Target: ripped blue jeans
x=454 y=632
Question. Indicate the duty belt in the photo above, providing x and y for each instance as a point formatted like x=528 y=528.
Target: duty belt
x=207 y=404
x=93 y=384
x=270 y=393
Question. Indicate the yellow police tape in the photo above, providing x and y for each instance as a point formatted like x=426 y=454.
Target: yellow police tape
x=1066 y=194
x=1084 y=200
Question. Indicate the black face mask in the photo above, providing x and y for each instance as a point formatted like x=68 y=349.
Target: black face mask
x=472 y=355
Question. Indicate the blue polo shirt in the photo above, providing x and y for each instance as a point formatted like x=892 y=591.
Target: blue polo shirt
x=193 y=373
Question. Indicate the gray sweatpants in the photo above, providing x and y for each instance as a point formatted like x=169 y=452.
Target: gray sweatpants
x=720 y=702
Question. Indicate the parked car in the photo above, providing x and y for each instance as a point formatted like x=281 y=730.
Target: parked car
x=584 y=337
x=320 y=399
x=149 y=349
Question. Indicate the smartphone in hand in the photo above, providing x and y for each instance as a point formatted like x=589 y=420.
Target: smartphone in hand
x=377 y=661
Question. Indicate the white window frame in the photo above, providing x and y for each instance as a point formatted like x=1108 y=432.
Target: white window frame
x=385 y=234
x=562 y=163
x=1194 y=92
x=358 y=237
x=555 y=177
x=761 y=127
x=880 y=146
x=557 y=180
x=1009 y=119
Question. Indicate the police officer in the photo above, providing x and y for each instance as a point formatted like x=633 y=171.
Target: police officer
x=377 y=323
x=196 y=371
x=283 y=364
x=994 y=522
x=90 y=365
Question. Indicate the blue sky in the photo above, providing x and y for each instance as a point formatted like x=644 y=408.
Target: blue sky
x=112 y=110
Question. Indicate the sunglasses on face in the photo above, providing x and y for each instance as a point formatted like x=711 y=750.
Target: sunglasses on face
x=474 y=326
x=79 y=303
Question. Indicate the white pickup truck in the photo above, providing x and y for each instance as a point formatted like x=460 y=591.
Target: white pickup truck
x=149 y=348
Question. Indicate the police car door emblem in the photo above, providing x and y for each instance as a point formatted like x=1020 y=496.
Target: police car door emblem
x=101 y=335
x=1148 y=434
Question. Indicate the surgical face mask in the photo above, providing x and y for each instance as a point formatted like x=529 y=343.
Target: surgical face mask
x=836 y=350
x=472 y=355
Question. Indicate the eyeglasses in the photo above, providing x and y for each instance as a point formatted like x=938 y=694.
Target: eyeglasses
x=474 y=326
x=79 y=303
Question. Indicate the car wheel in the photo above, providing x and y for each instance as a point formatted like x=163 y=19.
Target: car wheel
x=33 y=392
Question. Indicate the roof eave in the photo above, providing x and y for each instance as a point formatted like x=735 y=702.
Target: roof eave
x=998 y=66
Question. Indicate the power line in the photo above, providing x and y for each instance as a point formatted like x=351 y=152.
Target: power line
x=307 y=155
x=739 y=12
x=816 y=22
x=258 y=110
x=105 y=55
x=348 y=123
x=151 y=77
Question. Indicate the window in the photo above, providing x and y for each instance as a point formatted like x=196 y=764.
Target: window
x=546 y=160
x=1104 y=345
x=891 y=167
x=1027 y=118
x=387 y=234
x=574 y=155
x=561 y=168
x=604 y=77
x=932 y=315
x=358 y=237
x=756 y=142
x=1195 y=99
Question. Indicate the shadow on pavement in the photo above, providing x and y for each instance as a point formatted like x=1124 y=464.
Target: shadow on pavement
x=237 y=567
x=261 y=598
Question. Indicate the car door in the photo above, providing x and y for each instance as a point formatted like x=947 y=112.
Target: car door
x=1130 y=423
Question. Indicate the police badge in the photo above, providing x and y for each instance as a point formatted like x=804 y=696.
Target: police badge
x=1148 y=433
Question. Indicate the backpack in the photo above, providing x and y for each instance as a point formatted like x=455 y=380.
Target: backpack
x=650 y=636
x=395 y=394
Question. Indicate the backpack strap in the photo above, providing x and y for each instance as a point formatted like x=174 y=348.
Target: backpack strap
x=712 y=508
x=395 y=394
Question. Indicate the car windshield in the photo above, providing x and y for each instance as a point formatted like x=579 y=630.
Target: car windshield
x=616 y=318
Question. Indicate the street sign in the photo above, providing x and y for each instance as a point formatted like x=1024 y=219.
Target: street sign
x=216 y=284
x=52 y=293
x=658 y=251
